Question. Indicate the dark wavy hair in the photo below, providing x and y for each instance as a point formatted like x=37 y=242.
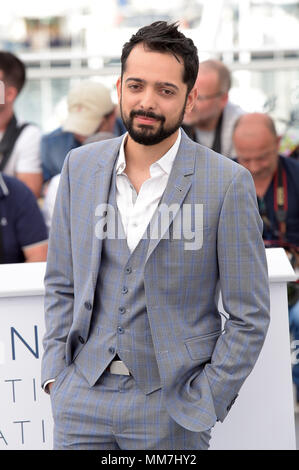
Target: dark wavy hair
x=163 y=37
x=13 y=70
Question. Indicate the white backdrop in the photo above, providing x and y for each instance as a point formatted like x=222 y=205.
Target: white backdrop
x=25 y=412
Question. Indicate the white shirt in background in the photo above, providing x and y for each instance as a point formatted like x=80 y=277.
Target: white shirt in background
x=25 y=157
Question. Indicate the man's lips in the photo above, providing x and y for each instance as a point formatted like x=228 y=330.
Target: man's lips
x=145 y=120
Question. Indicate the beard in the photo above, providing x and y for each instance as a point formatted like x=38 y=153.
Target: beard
x=145 y=134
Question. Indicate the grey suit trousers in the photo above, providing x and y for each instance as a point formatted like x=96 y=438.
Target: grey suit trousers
x=115 y=414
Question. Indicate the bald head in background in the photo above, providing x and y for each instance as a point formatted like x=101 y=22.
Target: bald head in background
x=257 y=148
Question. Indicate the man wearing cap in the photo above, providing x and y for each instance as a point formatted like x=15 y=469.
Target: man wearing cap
x=90 y=110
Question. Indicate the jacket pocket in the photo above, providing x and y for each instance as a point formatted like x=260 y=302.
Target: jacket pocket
x=202 y=347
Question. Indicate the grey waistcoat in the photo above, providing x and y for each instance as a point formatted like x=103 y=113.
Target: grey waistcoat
x=120 y=324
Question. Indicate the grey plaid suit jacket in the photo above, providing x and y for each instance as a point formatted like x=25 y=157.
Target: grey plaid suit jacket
x=202 y=368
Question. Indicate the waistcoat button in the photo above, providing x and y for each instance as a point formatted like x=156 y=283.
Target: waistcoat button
x=88 y=305
x=128 y=270
x=124 y=290
x=81 y=339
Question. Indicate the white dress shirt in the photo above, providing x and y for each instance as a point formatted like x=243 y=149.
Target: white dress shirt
x=136 y=210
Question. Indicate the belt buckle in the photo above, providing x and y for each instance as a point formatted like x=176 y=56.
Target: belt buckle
x=118 y=368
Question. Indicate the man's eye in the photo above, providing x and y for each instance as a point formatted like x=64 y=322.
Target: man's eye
x=167 y=92
x=134 y=86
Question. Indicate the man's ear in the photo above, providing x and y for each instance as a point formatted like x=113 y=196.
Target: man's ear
x=224 y=100
x=191 y=99
x=118 y=88
x=10 y=94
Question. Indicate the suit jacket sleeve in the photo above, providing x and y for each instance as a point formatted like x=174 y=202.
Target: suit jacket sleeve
x=245 y=293
x=59 y=286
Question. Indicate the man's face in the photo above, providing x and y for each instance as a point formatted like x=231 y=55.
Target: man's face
x=210 y=99
x=152 y=95
x=257 y=150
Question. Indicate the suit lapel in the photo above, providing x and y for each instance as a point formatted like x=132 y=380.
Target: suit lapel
x=178 y=185
x=100 y=191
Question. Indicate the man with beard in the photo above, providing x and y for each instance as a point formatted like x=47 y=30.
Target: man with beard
x=134 y=353
x=213 y=116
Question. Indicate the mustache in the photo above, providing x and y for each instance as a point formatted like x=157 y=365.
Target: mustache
x=148 y=114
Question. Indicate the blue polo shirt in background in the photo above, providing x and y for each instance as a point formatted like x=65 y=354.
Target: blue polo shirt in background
x=21 y=221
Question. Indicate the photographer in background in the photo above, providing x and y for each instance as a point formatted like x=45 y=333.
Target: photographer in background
x=276 y=180
x=90 y=111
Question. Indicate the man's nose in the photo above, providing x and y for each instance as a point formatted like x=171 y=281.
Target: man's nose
x=147 y=99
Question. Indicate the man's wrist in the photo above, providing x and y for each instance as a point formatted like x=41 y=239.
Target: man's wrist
x=46 y=387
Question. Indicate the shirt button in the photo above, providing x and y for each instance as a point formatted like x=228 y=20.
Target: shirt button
x=88 y=305
x=128 y=270
x=124 y=290
x=120 y=330
x=112 y=350
x=122 y=310
x=81 y=339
